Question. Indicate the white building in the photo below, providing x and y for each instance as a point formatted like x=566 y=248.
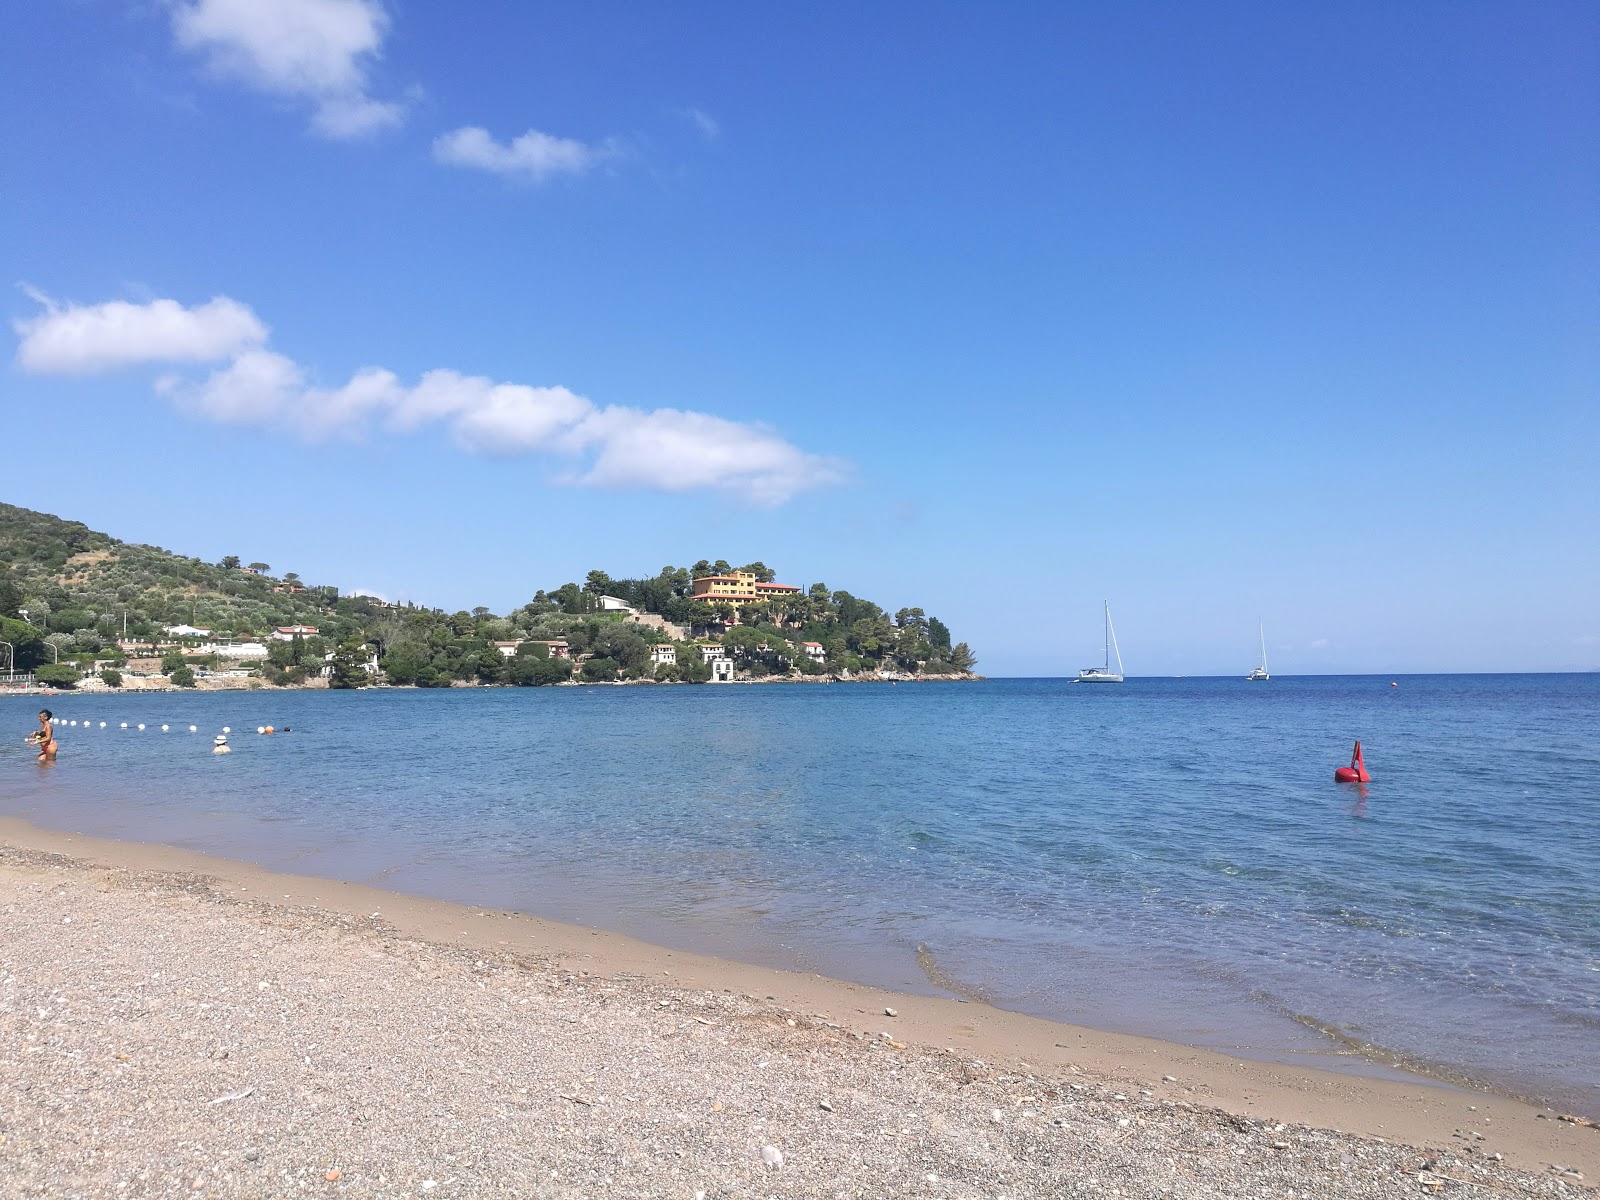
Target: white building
x=185 y=631
x=235 y=649
x=721 y=670
x=711 y=653
x=664 y=652
x=371 y=663
x=287 y=633
x=813 y=651
x=612 y=604
x=507 y=649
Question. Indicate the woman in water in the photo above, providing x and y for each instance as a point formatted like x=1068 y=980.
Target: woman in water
x=45 y=738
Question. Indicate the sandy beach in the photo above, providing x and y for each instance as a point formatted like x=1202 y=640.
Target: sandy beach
x=172 y=1024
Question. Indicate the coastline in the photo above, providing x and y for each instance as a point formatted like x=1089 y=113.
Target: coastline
x=1165 y=1077
x=133 y=684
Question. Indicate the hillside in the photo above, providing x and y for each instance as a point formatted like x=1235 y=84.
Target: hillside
x=83 y=591
x=71 y=578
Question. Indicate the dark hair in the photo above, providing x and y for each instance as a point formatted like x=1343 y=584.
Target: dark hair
x=45 y=712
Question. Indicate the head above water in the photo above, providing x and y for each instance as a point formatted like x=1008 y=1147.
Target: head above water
x=46 y=715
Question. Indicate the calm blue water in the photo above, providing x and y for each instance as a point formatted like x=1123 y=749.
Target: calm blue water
x=1169 y=857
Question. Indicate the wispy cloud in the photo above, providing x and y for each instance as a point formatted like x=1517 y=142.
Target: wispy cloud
x=318 y=51
x=609 y=446
x=75 y=339
x=533 y=156
x=708 y=126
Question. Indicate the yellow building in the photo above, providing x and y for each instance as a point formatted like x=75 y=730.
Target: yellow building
x=739 y=587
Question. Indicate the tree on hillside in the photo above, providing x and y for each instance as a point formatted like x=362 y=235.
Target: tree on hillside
x=535 y=670
x=230 y=562
x=962 y=658
x=349 y=666
x=260 y=568
x=762 y=572
x=939 y=636
x=598 y=583
x=183 y=677
x=171 y=661
x=61 y=675
x=598 y=670
x=10 y=594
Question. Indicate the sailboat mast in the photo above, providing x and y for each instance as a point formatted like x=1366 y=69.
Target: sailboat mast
x=1263 y=628
x=1108 y=635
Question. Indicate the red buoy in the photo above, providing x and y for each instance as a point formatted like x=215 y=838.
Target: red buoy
x=1356 y=772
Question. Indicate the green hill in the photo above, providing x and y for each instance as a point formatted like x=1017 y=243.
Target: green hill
x=82 y=590
x=72 y=579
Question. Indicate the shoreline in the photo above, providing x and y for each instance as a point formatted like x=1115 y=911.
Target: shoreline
x=1423 y=1113
x=207 y=684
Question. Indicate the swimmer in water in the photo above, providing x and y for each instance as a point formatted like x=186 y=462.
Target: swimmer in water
x=45 y=738
x=219 y=744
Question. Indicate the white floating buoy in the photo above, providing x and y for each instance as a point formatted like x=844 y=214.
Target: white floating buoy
x=124 y=724
x=102 y=724
x=261 y=728
x=163 y=729
x=226 y=729
x=71 y=722
x=141 y=726
x=192 y=729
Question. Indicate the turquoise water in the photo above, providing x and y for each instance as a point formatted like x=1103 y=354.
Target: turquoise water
x=1168 y=857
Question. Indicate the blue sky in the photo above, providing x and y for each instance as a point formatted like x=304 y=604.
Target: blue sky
x=1216 y=311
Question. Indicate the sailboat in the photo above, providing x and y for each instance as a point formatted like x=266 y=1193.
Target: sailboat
x=1104 y=674
x=1259 y=675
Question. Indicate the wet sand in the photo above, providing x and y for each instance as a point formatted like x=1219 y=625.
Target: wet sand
x=174 y=1022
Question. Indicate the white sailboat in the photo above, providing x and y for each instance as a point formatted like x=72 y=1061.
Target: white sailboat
x=1105 y=674
x=1259 y=675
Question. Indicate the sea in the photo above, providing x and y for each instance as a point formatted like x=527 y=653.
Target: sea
x=1168 y=857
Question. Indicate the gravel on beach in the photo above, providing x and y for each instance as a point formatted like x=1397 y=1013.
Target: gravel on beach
x=160 y=1036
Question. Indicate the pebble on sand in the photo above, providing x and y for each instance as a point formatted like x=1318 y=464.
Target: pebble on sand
x=773 y=1157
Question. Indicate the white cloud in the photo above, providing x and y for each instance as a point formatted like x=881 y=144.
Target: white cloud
x=256 y=388
x=534 y=155
x=76 y=339
x=315 y=50
x=675 y=451
x=616 y=446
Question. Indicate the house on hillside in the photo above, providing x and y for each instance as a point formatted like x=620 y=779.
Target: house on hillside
x=185 y=631
x=287 y=633
x=814 y=651
x=612 y=604
x=664 y=652
x=558 y=647
x=722 y=670
x=371 y=663
x=710 y=653
x=507 y=649
x=739 y=587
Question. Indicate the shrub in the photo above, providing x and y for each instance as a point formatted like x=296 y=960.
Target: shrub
x=597 y=670
x=57 y=675
x=183 y=677
x=111 y=677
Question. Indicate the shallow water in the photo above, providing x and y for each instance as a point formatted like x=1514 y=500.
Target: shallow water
x=1169 y=857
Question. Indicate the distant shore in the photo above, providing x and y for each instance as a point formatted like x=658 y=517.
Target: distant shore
x=157 y=998
x=158 y=683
